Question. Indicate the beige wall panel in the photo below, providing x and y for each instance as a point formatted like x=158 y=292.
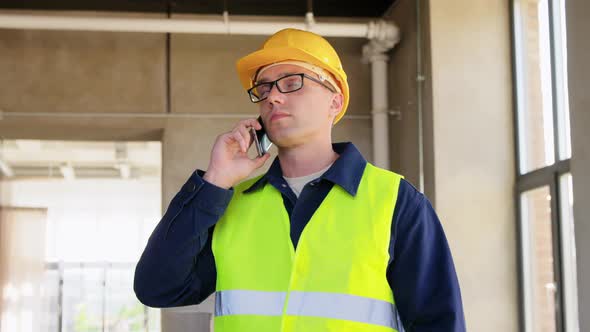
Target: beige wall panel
x=357 y=131
x=358 y=72
x=203 y=73
x=66 y=71
x=186 y=146
x=474 y=163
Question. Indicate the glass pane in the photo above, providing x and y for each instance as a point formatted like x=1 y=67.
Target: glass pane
x=568 y=243
x=563 y=116
x=50 y=299
x=83 y=297
x=123 y=312
x=534 y=88
x=540 y=284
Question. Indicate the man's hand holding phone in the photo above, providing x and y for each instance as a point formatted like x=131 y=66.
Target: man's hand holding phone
x=230 y=163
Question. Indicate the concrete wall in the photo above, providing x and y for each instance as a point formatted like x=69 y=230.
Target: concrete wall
x=578 y=47
x=474 y=156
x=402 y=93
x=76 y=77
x=404 y=70
x=67 y=73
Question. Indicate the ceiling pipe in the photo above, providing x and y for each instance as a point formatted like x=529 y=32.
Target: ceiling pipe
x=382 y=35
x=235 y=26
x=375 y=53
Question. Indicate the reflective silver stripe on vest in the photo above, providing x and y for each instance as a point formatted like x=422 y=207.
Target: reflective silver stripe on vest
x=344 y=306
x=247 y=302
x=315 y=304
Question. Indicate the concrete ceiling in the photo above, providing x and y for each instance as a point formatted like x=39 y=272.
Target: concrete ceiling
x=321 y=8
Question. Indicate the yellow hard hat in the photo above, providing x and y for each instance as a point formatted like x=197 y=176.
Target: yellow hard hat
x=298 y=45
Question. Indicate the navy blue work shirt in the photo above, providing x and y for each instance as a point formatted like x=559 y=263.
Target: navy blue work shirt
x=177 y=266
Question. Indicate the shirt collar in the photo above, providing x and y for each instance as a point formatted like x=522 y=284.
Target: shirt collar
x=346 y=171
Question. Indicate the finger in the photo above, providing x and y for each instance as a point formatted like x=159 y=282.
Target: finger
x=251 y=123
x=257 y=125
x=247 y=134
x=229 y=139
x=258 y=162
x=237 y=135
x=240 y=126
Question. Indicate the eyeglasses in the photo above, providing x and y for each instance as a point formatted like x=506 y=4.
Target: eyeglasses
x=285 y=84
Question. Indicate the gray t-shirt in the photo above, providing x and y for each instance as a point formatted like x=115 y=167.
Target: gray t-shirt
x=298 y=183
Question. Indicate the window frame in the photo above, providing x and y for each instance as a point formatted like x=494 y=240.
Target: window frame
x=105 y=267
x=549 y=175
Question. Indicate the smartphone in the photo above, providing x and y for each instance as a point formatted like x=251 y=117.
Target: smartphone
x=260 y=139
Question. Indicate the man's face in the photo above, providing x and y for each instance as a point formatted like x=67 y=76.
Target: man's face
x=301 y=116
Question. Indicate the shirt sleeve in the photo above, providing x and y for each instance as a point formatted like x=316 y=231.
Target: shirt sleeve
x=421 y=272
x=177 y=266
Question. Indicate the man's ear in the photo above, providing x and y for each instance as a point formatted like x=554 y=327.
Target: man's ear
x=336 y=105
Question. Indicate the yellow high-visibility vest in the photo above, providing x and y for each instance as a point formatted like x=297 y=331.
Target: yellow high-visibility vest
x=334 y=281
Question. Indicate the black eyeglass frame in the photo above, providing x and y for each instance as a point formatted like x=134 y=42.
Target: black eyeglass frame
x=256 y=99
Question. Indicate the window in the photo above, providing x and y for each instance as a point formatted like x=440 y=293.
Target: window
x=544 y=191
x=77 y=215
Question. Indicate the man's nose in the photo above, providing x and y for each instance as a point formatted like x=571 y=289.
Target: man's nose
x=275 y=96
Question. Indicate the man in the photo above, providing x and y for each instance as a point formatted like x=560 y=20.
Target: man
x=324 y=241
